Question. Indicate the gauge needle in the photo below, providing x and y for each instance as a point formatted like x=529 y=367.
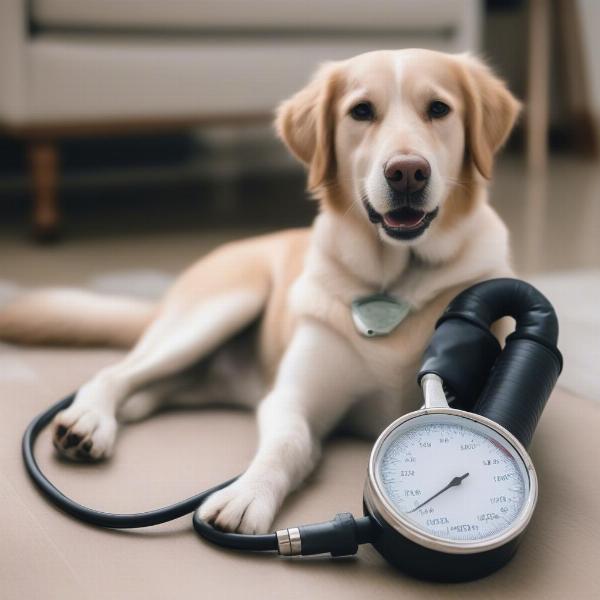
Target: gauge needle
x=453 y=483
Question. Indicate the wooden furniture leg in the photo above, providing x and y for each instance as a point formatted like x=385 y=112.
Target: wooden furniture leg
x=44 y=170
x=574 y=75
x=538 y=84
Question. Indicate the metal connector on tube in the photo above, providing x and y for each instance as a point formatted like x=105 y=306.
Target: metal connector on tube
x=289 y=542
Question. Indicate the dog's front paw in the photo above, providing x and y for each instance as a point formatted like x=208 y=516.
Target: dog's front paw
x=243 y=507
x=84 y=433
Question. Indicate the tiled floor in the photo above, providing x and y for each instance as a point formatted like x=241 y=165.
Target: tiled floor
x=554 y=221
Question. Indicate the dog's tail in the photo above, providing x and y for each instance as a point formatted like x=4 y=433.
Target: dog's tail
x=74 y=317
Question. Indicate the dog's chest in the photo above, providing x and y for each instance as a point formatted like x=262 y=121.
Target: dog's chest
x=392 y=362
x=372 y=413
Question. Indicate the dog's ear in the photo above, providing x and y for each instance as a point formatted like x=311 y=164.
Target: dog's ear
x=490 y=113
x=306 y=124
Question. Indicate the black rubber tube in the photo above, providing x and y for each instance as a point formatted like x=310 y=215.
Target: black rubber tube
x=518 y=387
x=510 y=387
x=341 y=535
x=338 y=536
x=462 y=354
x=134 y=520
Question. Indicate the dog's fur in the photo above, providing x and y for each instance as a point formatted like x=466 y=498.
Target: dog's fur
x=311 y=370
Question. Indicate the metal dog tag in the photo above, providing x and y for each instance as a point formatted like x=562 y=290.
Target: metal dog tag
x=378 y=314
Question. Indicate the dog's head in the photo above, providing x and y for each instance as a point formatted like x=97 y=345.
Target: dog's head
x=404 y=135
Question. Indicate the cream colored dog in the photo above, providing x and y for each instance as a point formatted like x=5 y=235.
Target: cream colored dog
x=398 y=145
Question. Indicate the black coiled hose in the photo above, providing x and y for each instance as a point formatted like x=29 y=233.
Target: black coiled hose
x=511 y=386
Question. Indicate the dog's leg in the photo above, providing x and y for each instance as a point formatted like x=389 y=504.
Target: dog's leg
x=87 y=429
x=189 y=327
x=230 y=376
x=320 y=376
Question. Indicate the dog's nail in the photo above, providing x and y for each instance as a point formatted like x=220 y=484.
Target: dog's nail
x=72 y=440
x=87 y=446
x=61 y=430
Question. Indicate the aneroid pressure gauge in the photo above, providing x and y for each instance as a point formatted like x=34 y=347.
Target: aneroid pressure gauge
x=451 y=490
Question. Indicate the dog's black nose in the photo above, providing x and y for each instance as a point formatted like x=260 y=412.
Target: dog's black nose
x=407 y=173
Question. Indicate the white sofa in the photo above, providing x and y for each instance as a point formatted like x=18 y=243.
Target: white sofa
x=79 y=67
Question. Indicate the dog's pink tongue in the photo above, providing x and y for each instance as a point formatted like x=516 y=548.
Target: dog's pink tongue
x=403 y=217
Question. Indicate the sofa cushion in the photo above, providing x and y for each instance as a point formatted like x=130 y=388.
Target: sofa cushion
x=75 y=77
x=242 y=14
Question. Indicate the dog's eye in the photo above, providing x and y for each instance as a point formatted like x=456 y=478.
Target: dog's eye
x=437 y=109
x=363 y=111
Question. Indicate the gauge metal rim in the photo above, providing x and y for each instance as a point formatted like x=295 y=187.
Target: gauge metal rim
x=381 y=507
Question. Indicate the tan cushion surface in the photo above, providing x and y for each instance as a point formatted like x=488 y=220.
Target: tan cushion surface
x=44 y=554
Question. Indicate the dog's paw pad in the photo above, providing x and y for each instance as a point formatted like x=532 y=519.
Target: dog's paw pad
x=72 y=440
x=84 y=433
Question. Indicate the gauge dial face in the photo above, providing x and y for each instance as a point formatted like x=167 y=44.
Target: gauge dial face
x=452 y=478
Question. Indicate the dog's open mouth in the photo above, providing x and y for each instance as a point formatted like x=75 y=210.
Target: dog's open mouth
x=402 y=223
x=404 y=218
